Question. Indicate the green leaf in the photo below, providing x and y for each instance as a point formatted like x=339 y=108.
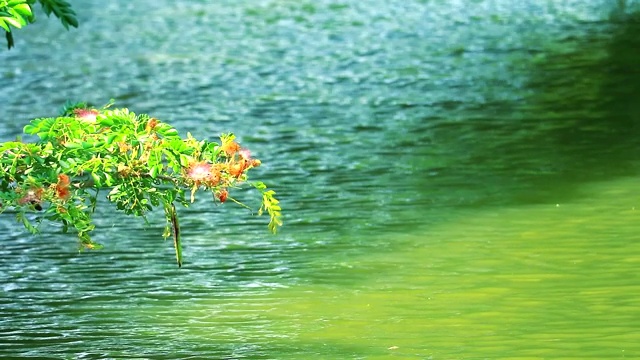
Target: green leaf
x=114 y=191
x=167 y=131
x=111 y=138
x=5 y=26
x=62 y=10
x=155 y=171
x=71 y=20
x=13 y=3
x=184 y=160
x=23 y=9
x=27 y=224
x=72 y=145
x=16 y=15
x=11 y=21
x=108 y=179
x=29 y=129
x=259 y=185
x=106 y=122
x=10 y=145
x=40 y=126
x=96 y=179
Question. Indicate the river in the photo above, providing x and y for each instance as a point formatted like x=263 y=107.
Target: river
x=458 y=178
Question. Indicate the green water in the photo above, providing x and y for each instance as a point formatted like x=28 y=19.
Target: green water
x=459 y=180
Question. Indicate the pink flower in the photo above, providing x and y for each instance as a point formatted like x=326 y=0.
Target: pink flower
x=199 y=172
x=88 y=115
x=245 y=154
x=203 y=173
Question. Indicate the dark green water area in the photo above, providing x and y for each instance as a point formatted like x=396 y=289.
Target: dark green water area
x=459 y=179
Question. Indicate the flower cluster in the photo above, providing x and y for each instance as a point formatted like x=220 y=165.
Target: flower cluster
x=32 y=197
x=230 y=168
x=62 y=187
x=202 y=173
x=88 y=115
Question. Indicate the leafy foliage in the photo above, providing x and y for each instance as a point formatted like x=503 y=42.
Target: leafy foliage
x=62 y=10
x=142 y=161
x=19 y=13
x=14 y=13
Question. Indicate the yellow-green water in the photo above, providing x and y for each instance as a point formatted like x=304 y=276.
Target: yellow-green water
x=545 y=281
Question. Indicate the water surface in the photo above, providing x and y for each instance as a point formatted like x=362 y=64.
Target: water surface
x=459 y=182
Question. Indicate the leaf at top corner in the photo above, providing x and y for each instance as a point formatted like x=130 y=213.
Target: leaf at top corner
x=71 y=20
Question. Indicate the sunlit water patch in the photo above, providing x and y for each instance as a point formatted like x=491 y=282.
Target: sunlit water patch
x=538 y=281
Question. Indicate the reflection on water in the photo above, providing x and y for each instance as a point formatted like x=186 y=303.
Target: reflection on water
x=457 y=178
